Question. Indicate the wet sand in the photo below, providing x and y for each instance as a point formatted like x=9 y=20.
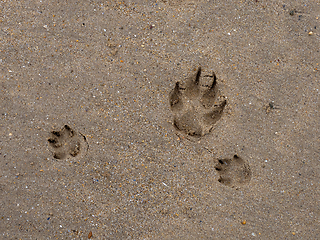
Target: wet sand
x=97 y=139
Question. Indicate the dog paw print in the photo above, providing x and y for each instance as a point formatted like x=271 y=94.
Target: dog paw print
x=67 y=143
x=233 y=172
x=196 y=104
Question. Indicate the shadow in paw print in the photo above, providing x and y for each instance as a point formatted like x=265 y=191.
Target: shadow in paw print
x=233 y=172
x=67 y=143
x=196 y=104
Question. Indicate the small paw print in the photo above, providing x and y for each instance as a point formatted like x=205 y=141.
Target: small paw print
x=67 y=143
x=233 y=172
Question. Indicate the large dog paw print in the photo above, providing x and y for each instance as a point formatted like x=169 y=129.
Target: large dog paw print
x=233 y=172
x=196 y=104
x=67 y=143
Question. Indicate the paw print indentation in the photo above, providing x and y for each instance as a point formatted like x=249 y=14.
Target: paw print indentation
x=233 y=172
x=196 y=104
x=67 y=143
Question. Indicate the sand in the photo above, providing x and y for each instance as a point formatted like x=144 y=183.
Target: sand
x=93 y=145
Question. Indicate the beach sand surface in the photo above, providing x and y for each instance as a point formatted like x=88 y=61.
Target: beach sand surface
x=159 y=119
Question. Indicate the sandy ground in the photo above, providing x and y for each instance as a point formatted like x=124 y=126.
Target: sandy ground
x=89 y=146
